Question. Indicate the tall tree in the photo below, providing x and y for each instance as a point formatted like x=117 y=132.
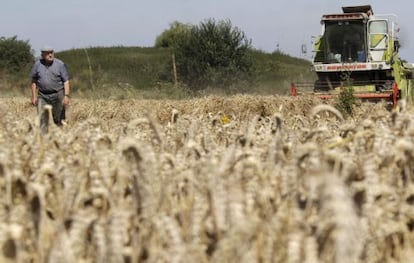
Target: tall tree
x=169 y=36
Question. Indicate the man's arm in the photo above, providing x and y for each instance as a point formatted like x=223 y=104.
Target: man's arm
x=34 y=92
x=66 y=88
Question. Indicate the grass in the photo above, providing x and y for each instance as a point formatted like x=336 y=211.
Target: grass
x=139 y=68
x=122 y=72
x=147 y=72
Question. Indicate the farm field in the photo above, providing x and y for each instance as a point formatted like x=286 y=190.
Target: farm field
x=215 y=179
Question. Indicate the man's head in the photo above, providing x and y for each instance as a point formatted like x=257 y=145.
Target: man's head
x=47 y=53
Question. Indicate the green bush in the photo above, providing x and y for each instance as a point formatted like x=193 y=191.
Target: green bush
x=14 y=54
x=213 y=54
x=346 y=99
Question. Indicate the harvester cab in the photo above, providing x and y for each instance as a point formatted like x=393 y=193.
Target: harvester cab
x=359 y=49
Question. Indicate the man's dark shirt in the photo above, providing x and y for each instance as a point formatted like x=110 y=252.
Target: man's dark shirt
x=49 y=78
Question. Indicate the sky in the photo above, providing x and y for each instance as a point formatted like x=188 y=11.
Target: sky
x=270 y=24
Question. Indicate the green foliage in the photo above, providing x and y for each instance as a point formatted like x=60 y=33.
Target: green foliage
x=346 y=99
x=274 y=72
x=170 y=36
x=118 y=72
x=117 y=67
x=149 y=70
x=213 y=54
x=14 y=54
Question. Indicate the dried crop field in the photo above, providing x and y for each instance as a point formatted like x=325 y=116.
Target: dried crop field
x=236 y=179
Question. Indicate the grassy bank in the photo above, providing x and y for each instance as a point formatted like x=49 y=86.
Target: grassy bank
x=121 y=72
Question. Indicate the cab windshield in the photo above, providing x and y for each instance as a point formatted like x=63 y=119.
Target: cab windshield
x=345 y=42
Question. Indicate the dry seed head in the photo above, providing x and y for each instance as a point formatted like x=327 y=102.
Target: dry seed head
x=174 y=116
x=255 y=193
x=324 y=107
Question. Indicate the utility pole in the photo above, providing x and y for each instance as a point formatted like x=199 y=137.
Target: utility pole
x=174 y=71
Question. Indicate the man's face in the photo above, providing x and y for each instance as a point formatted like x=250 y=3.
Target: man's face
x=48 y=56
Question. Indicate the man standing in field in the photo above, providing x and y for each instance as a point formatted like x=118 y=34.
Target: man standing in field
x=50 y=86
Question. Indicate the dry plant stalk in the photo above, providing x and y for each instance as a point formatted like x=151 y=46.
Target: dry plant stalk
x=215 y=179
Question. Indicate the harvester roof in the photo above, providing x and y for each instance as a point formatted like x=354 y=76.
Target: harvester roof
x=367 y=9
x=361 y=12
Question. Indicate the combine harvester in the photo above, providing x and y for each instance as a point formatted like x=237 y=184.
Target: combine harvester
x=360 y=50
